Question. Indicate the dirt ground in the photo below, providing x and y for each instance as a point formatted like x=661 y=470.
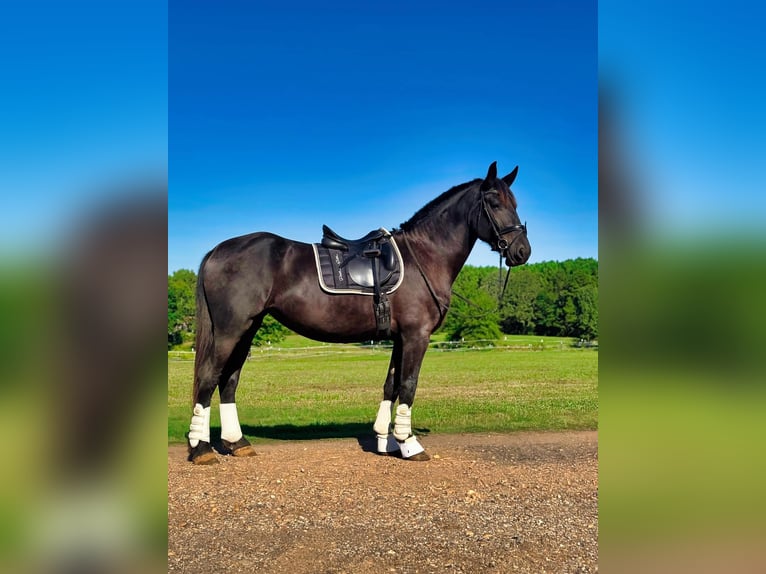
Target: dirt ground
x=521 y=502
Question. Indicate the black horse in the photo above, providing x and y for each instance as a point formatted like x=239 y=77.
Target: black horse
x=245 y=278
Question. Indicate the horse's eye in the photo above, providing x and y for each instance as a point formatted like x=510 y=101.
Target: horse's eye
x=493 y=199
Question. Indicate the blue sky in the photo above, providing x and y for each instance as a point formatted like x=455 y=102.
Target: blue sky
x=355 y=114
x=83 y=110
x=688 y=84
x=335 y=108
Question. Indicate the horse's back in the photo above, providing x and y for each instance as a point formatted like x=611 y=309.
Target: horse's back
x=246 y=266
x=254 y=249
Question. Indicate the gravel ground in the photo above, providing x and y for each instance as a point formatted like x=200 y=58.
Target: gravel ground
x=522 y=502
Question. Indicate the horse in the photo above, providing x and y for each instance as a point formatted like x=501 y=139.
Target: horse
x=243 y=279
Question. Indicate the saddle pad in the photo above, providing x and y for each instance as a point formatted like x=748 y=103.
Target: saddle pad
x=334 y=276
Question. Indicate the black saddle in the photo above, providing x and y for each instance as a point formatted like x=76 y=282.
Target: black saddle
x=360 y=255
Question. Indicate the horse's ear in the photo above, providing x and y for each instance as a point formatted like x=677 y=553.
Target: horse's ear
x=511 y=177
x=489 y=181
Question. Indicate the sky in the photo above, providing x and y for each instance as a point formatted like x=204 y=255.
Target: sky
x=83 y=111
x=286 y=116
x=361 y=114
x=689 y=88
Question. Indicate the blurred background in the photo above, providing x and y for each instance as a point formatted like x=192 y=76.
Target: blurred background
x=83 y=181
x=682 y=250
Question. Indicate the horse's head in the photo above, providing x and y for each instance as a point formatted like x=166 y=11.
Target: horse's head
x=498 y=223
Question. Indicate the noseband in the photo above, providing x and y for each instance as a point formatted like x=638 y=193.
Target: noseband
x=501 y=244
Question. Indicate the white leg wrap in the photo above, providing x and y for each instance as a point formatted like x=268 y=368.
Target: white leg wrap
x=411 y=447
x=383 y=420
x=230 y=429
x=387 y=443
x=403 y=422
x=199 y=429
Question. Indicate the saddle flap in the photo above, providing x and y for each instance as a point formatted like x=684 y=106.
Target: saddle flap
x=359 y=269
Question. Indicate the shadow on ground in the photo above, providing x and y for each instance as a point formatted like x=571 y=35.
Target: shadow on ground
x=362 y=431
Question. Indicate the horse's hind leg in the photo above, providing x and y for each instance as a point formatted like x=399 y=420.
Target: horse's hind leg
x=231 y=433
x=232 y=438
x=216 y=366
x=200 y=451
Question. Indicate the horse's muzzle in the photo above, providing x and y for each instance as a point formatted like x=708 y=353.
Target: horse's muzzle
x=518 y=254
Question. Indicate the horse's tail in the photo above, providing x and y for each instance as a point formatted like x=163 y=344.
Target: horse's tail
x=204 y=332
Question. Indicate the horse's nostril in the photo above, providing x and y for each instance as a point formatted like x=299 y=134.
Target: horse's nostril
x=522 y=254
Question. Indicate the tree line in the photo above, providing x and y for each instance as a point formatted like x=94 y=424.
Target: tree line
x=558 y=298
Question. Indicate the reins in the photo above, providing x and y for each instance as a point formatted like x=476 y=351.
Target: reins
x=439 y=304
x=500 y=295
x=505 y=283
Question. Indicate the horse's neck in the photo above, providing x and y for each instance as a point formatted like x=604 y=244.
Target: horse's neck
x=446 y=241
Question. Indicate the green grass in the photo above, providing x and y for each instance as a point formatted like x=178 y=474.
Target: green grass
x=321 y=392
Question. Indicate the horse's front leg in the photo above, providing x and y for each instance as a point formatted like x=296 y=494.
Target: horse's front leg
x=413 y=350
x=382 y=427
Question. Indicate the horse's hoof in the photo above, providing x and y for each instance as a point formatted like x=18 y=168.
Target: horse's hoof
x=413 y=450
x=203 y=453
x=420 y=456
x=387 y=445
x=240 y=448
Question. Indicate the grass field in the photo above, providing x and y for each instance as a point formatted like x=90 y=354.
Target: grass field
x=315 y=391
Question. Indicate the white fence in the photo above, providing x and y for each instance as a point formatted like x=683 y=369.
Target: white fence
x=385 y=348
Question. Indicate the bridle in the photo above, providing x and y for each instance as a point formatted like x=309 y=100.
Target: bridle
x=501 y=244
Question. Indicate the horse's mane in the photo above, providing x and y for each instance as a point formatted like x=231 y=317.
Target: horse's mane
x=428 y=209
